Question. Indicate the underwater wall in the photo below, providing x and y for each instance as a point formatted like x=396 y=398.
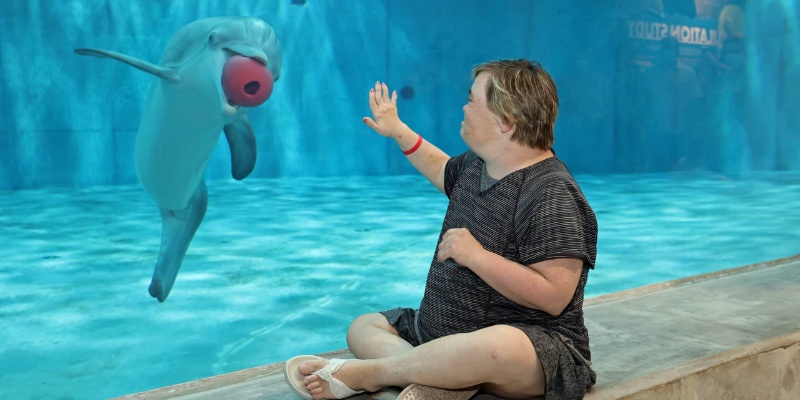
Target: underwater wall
x=645 y=86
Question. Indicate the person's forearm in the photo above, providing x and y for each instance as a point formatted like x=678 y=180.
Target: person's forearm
x=520 y=284
x=428 y=159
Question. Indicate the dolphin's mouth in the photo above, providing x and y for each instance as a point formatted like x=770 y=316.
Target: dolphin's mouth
x=244 y=52
x=231 y=103
x=258 y=58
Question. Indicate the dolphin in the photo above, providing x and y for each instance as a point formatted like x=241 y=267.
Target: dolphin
x=185 y=113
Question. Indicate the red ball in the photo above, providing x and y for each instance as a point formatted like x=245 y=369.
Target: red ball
x=246 y=81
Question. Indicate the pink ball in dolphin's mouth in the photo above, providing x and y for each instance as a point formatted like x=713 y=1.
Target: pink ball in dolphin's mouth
x=246 y=82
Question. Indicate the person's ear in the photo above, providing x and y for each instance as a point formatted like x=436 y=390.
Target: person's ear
x=506 y=127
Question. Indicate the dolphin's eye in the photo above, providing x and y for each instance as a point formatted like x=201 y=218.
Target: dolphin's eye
x=211 y=37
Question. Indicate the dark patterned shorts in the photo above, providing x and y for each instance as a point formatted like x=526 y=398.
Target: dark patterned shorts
x=568 y=375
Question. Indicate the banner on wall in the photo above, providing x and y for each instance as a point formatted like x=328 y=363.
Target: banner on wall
x=688 y=32
x=648 y=26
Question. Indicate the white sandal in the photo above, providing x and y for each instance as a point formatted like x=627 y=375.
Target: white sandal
x=293 y=377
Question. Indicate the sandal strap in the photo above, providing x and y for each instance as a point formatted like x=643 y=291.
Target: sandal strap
x=337 y=387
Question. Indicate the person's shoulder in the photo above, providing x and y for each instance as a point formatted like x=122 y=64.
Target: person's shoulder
x=550 y=175
x=459 y=166
x=469 y=156
x=463 y=160
x=551 y=168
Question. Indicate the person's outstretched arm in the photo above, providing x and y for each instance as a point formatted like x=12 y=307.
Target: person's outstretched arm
x=428 y=159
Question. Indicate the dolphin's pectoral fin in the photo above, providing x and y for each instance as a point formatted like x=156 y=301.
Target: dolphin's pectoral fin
x=176 y=234
x=242 y=141
x=159 y=71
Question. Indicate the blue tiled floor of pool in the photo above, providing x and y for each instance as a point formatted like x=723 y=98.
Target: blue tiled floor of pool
x=280 y=267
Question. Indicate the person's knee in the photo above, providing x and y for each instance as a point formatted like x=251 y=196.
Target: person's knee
x=505 y=344
x=370 y=320
x=514 y=364
x=367 y=322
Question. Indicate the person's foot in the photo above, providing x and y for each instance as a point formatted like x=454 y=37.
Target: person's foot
x=319 y=388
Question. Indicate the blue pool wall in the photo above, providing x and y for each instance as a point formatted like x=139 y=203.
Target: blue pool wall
x=71 y=121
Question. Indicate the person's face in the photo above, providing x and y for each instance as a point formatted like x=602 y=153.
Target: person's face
x=479 y=124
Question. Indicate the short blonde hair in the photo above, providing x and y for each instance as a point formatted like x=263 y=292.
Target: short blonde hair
x=522 y=94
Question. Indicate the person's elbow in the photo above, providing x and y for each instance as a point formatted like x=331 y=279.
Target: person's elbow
x=555 y=303
x=552 y=306
x=562 y=277
x=438 y=180
x=556 y=307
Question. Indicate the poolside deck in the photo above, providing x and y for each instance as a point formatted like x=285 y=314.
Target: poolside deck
x=660 y=340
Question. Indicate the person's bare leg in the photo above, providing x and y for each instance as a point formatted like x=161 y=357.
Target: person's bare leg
x=372 y=336
x=500 y=358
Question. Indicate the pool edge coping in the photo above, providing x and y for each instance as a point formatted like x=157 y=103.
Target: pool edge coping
x=660 y=378
x=656 y=287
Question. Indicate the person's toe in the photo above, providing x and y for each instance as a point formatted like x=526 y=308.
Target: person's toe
x=311 y=366
x=313 y=385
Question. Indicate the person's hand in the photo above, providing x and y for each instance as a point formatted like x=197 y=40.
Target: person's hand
x=384 y=110
x=460 y=245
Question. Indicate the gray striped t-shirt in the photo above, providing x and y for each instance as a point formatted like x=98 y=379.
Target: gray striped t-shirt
x=531 y=215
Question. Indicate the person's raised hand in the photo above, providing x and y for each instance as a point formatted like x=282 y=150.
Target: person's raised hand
x=384 y=111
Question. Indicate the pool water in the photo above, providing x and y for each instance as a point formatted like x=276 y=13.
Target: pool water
x=281 y=266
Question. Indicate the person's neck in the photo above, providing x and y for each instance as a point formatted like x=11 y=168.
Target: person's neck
x=513 y=159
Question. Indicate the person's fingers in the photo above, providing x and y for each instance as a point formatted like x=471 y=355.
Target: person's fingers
x=444 y=248
x=385 y=90
x=370 y=123
x=373 y=106
x=394 y=97
x=378 y=93
x=449 y=234
x=441 y=255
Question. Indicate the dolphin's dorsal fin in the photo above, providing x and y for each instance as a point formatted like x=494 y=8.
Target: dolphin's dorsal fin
x=159 y=71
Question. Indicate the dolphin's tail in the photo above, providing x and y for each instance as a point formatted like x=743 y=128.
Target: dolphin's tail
x=176 y=234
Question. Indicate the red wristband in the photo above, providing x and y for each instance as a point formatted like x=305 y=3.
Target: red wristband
x=416 y=146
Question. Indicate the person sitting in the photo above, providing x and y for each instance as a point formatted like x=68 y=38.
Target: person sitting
x=502 y=308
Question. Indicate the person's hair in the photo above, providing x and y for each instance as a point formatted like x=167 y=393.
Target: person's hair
x=522 y=94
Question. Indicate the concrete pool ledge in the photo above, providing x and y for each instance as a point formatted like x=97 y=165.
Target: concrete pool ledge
x=765 y=370
x=729 y=334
